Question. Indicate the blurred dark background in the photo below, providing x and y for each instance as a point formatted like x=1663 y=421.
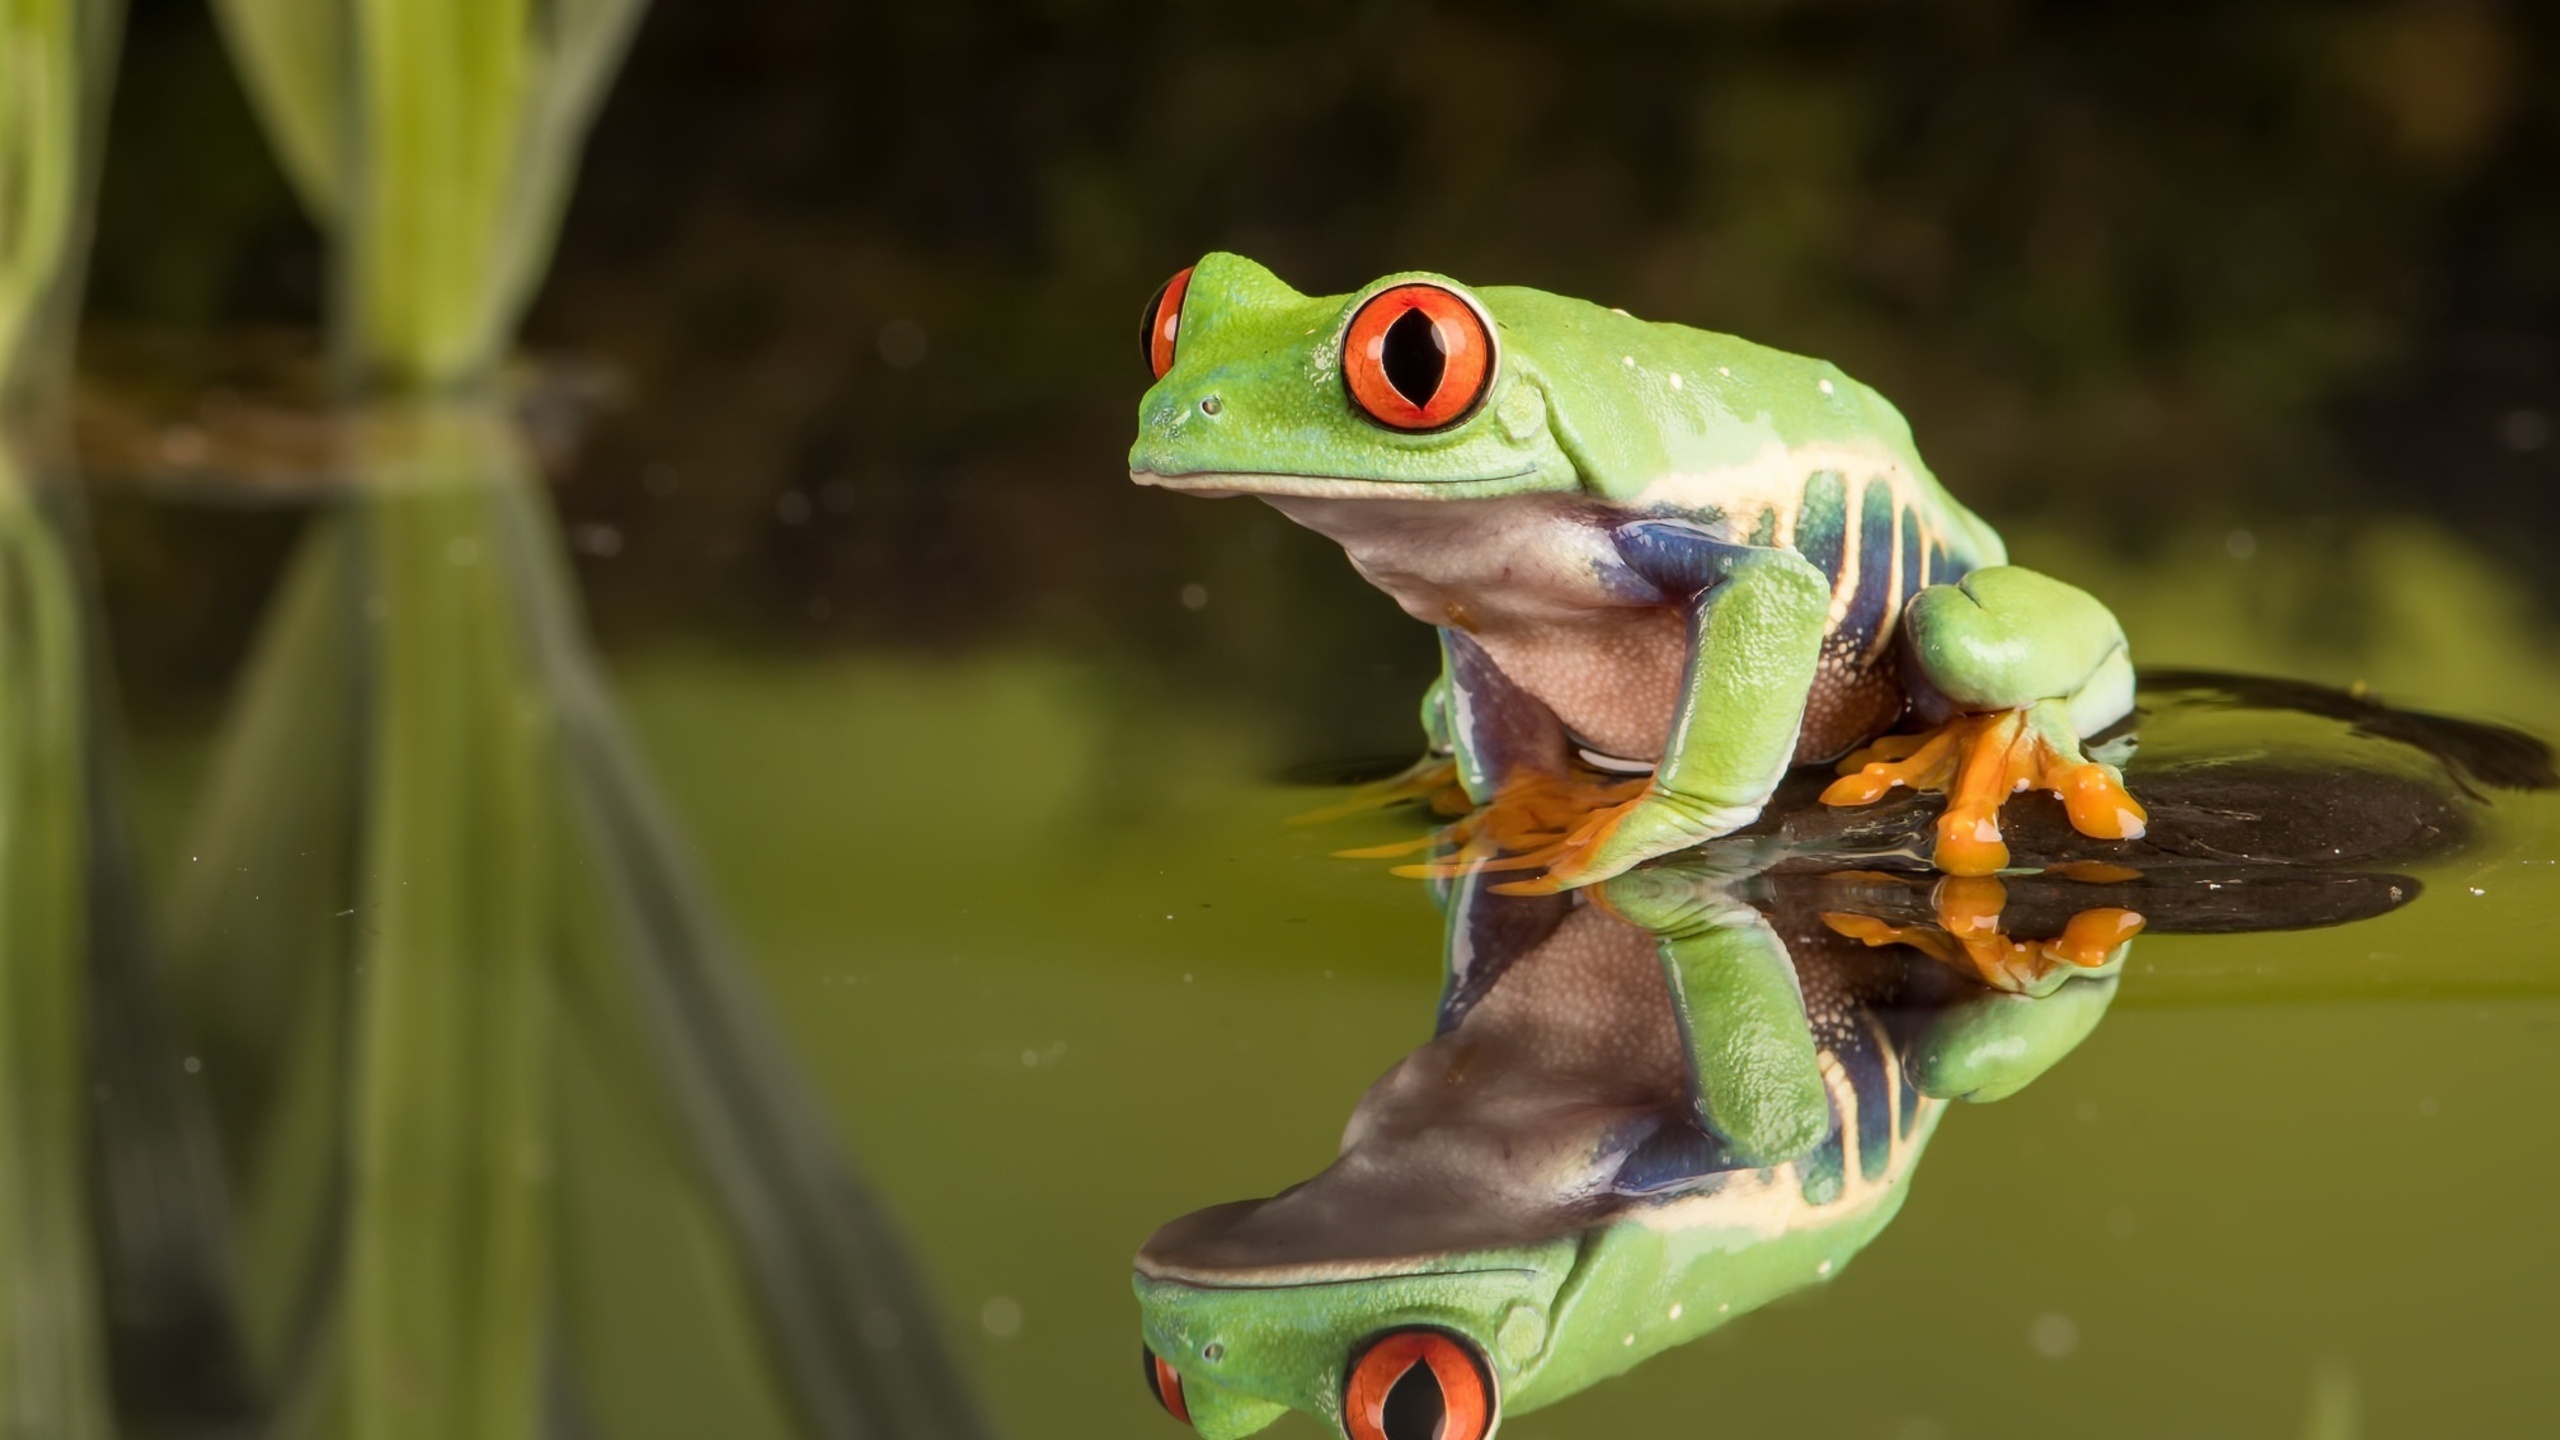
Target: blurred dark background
x=838 y=348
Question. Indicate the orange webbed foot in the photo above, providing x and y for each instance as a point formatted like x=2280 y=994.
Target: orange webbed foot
x=1978 y=761
x=1527 y=825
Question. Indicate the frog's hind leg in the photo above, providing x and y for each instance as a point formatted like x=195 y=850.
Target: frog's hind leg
x=2015 y=668
x=1497 y=757
x=1498 y=733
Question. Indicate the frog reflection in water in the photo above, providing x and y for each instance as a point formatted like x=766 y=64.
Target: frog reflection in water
x=1654 y=549
x=1530 y=1203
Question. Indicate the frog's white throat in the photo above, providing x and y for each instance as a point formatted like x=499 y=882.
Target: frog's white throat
x=1537 y=581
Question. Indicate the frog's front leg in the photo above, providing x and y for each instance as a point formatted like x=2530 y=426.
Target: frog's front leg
x=1756 y=617
x=2015 y=668
x=1755 y=1078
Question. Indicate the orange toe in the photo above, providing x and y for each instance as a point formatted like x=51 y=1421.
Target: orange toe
x=2099 y=805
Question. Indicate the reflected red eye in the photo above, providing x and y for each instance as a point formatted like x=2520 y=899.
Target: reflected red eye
x=1418 y=357
x=1419 y=1385
x=1162 y=1381
x=1163 y=318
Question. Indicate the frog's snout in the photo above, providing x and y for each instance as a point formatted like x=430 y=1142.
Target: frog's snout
x=1168 y=412
x=1172 y=423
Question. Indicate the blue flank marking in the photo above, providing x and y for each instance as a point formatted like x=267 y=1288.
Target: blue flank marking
x=1680 y=557
x=1676 y=1157
x=1875 y=566
x=1864 y=1063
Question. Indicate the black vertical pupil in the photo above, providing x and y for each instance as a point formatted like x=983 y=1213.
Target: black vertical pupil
x=1412 y=357
x=1415 y=1408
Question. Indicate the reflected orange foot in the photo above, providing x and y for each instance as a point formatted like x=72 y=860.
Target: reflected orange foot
x=1968 y=937
x=1978 y=762
x=1428 y=779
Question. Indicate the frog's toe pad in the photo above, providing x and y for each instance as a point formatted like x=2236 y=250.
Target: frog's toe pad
x=2099 y=805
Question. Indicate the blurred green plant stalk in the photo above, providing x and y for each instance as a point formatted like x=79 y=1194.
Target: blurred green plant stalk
x=40 y=74
x=421 y=748
x=449 y=1158
x=52 y=1369
x=361 y=952
x=54 y=57
x=518 y=1026
x=436 y=142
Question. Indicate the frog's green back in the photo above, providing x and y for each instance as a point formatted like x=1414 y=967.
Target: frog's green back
x=1660 y=1279
x=1661 y=415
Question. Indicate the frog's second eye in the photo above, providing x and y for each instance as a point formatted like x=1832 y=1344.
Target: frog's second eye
x=1157 y=327
x=1418 y=357
x=1163 y=1381
x=1418 y=1384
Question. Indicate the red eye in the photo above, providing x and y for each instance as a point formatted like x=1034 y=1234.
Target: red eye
x=1419 y=1385
x=1164 y=316
x=1162 y=1380
x=1418 y=357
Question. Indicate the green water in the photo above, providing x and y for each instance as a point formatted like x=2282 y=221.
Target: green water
x=1056 y=969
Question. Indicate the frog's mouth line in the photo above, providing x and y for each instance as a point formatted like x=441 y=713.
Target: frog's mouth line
x=1311 y=1278
x=1217 y=484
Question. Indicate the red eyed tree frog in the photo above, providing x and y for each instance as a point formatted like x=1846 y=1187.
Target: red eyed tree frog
x=1647 y=548
x=1528 y=1204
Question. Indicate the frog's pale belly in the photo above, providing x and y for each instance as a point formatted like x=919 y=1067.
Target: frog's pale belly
x=1614 y=681
x=1538 y=583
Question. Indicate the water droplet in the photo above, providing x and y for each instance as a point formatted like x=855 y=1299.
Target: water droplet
x=2053 y=1336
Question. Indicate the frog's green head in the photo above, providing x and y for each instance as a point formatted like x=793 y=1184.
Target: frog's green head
x=1394 y=1348
x=1413 y=386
